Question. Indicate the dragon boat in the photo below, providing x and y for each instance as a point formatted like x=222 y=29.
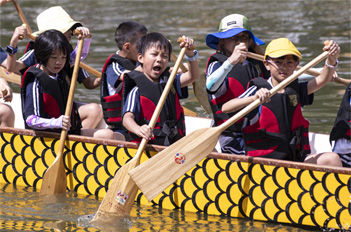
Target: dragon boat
x=221 y=184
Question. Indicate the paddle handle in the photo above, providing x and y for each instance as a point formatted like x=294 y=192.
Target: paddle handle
x=310 y=72
x=273 y=91
x=21 y=15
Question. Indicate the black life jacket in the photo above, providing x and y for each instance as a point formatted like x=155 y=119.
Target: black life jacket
x=238 y=79
x=55 y=95
x=170 y=125
x=281 y=131
x=342 y=124
x=112 y=105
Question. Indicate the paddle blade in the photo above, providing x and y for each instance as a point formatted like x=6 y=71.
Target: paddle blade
x=54 y=180
x=120 y=196
x=156 y=174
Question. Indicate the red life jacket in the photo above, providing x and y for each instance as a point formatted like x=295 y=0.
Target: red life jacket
x=170 y=125
x=112 y=105
x=281 y=131
x=238 y=79
x=55 y=95
x=342 y=124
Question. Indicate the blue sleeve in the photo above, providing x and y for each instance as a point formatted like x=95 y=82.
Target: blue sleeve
x=182 y=92
x=28 y=58
x=3 y=55
x=132 y=103
x=82 y=75
x=113 y=71
x=305 y=99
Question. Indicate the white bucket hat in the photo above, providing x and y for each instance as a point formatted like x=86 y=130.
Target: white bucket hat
x=55 y=18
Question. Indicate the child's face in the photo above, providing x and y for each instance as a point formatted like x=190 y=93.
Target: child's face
x=155 y=61
x=55 y=63
x=282 y=67
x=229 y=44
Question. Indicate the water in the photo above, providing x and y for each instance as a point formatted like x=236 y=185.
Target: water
x=306 y=23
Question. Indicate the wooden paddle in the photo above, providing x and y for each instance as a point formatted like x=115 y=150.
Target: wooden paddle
x=54 y=180
x=156 y=174
x=10 y=76
x=310 y=72
x=120 y=196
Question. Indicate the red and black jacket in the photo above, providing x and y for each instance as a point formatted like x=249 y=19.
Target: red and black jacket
x=281 y=131
x=238 y=79
x=170 y=125
x=112 y=105
x=342 y=124
x=55 y=95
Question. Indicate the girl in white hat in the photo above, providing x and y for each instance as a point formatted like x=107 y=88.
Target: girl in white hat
x=57 y=18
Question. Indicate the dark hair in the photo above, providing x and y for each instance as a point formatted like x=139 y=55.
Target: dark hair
x=128 y=31
x=48 y=42
x=153 y=39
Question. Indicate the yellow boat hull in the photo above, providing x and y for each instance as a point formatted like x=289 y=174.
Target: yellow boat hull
x=221 y=184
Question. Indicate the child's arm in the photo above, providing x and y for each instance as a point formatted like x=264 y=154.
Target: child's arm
x=193 y=67
x=91 y=82
x=143 y=131
x=215 y=79
x=5 y=90
x=14 y=65
x=245 y=99
x=83 y=33
x=328 y=70
x=40 y=123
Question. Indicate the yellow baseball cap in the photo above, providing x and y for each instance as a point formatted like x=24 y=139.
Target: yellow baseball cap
x=55 y=18
x=281 y=47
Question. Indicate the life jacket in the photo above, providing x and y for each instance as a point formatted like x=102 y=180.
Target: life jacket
x=238 y=79
x=170 y=125
x=342 y=124
x=112 y=105
x=281 y=131
x=55 y=95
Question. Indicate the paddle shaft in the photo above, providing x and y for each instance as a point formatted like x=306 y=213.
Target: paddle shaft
x=310 y=72
x=21 y=15
x=54 y=180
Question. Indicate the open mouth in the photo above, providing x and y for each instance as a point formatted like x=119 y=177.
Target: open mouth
x=157 y=68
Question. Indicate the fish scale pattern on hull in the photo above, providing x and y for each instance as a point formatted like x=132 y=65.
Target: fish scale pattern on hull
x=215 y=186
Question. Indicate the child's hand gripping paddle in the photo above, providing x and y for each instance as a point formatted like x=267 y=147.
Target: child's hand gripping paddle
x=120 y=196
x=156 y=174
x=54 y=180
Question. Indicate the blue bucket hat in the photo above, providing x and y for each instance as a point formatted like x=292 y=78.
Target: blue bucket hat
x=230 y=26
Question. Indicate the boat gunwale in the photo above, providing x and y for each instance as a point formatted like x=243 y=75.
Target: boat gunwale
x=158 y=148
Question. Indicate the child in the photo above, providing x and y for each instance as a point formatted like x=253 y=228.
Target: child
x=57 y=18
x=125 y=60
x=143 y=88
x=341 y=132
x=45 y=87
x=278 y=129
x=228 y=73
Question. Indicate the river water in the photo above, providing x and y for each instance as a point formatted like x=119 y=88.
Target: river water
x=306 y=23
